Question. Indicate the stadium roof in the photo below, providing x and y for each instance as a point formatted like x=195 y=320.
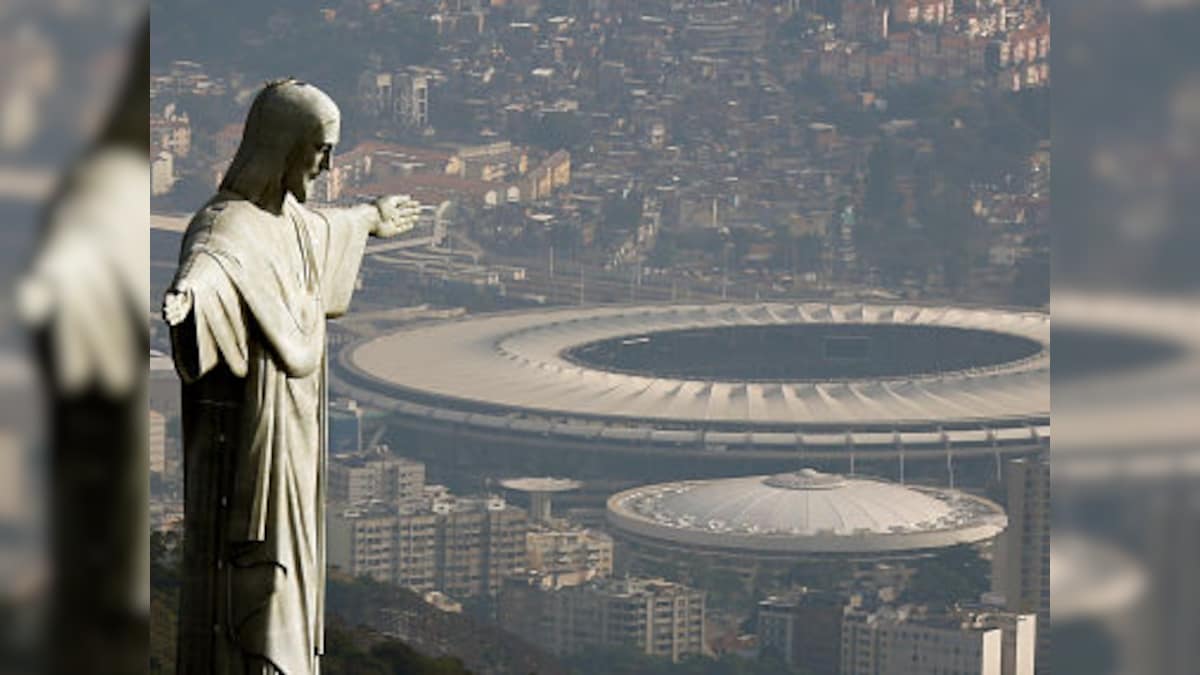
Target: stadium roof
x=805 y=512
x=515 y=362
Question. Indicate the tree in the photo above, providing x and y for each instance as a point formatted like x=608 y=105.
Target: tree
x=351 y=651
x=817 y=574
x=627 y=659
x=559 y=7
x=882 y=202
x=404 y=37
x=481 y=607
x=164 y=599
x=808 y=252
x=1032 y=284
x=450 y=115
x=793 y=29
x=559 y=131
x=958 y=574
x=622 y=213
x=726 y=588
x=943 y=206
x=666 y=250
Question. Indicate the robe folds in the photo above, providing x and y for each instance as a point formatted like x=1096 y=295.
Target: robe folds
x=251 y=355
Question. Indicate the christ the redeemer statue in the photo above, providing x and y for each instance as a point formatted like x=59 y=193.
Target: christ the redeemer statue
x=259 y=273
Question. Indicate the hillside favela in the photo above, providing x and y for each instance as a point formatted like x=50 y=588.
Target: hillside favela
x=720 y=344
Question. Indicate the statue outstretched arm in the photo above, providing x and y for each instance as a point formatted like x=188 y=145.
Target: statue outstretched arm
x=385 y=217
x=342 y=242
x=397 y=215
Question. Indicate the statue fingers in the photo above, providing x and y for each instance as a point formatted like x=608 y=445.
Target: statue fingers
x=34 y=301
x=176 y=306
x=171 y=312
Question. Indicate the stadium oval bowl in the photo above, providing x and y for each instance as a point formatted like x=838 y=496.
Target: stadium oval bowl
x=882 y=380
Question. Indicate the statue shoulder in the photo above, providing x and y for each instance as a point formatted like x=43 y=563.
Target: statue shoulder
x=224 y=218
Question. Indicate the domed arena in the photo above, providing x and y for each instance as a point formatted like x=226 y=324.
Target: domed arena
x=658 y=392
x=801 y=514
x=759 y=526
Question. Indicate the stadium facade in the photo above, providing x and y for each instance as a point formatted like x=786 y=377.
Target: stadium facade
x=661 y=392
x=752 y=524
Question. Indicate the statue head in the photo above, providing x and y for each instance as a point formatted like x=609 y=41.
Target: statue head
x=288 y=140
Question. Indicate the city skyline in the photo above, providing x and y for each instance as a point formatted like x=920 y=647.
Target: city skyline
x=855 y=181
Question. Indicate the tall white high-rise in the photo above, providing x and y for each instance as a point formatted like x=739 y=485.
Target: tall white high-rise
x=1021 y=566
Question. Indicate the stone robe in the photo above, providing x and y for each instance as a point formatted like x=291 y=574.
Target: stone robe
x=252 y=358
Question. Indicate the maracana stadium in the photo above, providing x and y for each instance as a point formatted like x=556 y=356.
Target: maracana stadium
x=666 y=392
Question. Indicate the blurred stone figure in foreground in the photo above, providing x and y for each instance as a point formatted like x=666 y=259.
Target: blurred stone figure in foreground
x=85 y=297
x=258 y=275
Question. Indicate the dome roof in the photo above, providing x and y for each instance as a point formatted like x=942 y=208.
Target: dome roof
x=806 y=511
x=806 y=503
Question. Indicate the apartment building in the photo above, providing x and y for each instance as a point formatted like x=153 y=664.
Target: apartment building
x=569 y=552
x=375 y=475
x=659 y=618
x=908 y=641
x=459 y=546
x=803 y=629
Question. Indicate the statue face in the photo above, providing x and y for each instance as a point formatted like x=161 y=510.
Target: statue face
x=290 y=132
x=310 y=160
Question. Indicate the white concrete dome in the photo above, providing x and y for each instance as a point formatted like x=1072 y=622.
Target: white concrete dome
x=806 y=511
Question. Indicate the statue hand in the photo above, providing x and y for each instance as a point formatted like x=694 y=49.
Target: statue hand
x=177 y=303
x=34 y=301
x=397 y=215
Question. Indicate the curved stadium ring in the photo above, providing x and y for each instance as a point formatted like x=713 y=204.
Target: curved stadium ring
x=762 y=381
